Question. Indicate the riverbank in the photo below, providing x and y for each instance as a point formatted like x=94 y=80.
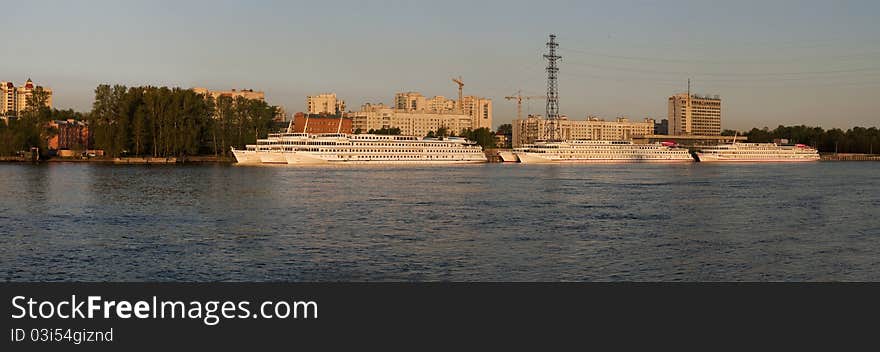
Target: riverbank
x=127 y=160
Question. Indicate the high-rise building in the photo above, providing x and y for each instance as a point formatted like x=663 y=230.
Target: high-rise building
x=410 y=101
x=480 y=111
x=324 y=104
x=15 y=100
x=526 y=131
x=440 y=104
x=7 y=98
x=691 y=114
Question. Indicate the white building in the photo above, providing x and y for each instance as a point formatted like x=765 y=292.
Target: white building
x=416 y=115
x=14 y=100
x=527 y=131
x=411 y=123
x=324 y=104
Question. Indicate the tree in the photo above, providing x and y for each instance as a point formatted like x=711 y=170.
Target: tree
x=505 y=129
x=483 y=136
x=165 y=122
x=387 y=131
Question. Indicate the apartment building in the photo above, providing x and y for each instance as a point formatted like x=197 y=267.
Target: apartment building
x=528 y=130
x=15 y=99
x=324 y=104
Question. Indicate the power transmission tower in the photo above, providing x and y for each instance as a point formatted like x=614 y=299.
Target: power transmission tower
x=552 y=87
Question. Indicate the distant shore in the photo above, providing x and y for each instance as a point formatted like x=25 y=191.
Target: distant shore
x=127 y=160
x=849 y=157
x=210 y=159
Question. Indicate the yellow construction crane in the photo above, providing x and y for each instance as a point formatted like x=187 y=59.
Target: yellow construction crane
x=460 y=88
x=519 y=99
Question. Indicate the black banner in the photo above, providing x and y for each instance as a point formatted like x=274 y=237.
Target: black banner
x=332 y=316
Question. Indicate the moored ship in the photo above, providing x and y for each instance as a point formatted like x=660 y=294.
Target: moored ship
x=594 y=151
x=341 y=148
x=757 y=152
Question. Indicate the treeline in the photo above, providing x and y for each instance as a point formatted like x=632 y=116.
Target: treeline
x=853 y=140
x=160 y=122
x=165 y=122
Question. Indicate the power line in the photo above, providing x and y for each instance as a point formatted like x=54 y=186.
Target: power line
x=714 y=62
x=724 y=74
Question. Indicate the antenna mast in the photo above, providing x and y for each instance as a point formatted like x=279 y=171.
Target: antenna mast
x=552 y=87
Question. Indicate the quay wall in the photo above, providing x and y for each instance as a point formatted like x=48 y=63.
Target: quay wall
x=850 y=157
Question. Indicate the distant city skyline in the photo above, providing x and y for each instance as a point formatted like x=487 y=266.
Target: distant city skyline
x=782 y=62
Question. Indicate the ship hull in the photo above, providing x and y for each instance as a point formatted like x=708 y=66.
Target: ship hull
x=301 y=158
x=246 y=157
x=272 y=157
x=711 y=158
x=533 y=158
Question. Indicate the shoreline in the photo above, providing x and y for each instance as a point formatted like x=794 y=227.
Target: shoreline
x=229 y=160
x=849 y=157
x=127 y=160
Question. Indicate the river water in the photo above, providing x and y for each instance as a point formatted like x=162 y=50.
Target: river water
x=492 y=222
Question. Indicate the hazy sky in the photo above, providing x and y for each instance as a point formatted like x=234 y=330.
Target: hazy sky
x=772 y=62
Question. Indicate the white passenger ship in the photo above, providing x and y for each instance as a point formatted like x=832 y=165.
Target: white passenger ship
x=757 y=152
x=340 y=148
x=590 y=151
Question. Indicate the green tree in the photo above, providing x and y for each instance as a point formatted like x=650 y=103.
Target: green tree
x=483 y=136
x=505 y=129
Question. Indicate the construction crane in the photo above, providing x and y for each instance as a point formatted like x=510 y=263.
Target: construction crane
x=460 y=89
x=519 y=99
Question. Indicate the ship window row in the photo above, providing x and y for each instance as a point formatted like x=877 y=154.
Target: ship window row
x=338 y=150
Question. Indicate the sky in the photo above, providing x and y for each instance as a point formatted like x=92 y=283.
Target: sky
x=772 y=62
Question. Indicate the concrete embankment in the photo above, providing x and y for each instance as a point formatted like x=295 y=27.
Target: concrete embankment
x=850 y=157
x=127 y=160
x=173 y=160
x=492 y=155
x=147 y=160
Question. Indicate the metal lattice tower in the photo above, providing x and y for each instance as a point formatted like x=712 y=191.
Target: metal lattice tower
x=552 y=87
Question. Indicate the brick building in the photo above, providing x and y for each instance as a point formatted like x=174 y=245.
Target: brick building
x=319 y=124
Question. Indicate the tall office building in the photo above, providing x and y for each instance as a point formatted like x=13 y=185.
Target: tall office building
x=691 y=114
